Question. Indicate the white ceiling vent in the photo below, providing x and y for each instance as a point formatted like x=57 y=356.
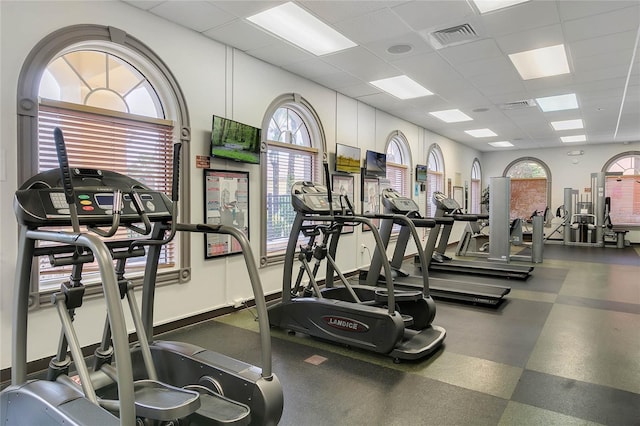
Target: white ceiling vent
x=518 y=104
x=452 y=36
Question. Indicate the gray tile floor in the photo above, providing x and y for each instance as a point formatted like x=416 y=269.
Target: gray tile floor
x=563 y=349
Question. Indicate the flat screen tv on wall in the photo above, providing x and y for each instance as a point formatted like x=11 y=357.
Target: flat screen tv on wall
x=235 y=141
x=375 y=164
x=421 y=173
x=347 y=158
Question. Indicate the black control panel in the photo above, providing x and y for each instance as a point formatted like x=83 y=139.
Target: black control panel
x=41 y=200
x=312 y=198
x=397 y=203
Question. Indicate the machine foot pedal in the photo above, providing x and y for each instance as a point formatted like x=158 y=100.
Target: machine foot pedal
x=160 y=401
x=216 y=409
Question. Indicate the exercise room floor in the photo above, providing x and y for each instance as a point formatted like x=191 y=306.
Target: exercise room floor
x=563 y=349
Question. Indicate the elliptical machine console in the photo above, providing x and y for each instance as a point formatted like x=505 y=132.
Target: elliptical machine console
x=98 y=195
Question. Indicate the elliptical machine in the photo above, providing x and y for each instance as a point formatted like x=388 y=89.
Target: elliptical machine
x=365 y=317
x=150 y=383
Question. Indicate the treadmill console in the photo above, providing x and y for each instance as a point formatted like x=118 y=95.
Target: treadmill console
x=397 y=203
x=447 y=204
x=41 y=200
x=313 y=198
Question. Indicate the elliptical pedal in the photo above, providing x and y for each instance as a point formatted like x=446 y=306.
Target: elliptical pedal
x=216 y=409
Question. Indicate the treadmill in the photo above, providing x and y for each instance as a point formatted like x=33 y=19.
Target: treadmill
x=448 y=207
x=460 y=291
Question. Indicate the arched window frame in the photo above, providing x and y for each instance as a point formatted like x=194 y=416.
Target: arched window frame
x=398 y=169
x=435 y=176
x=618 y=184
x=317 y=149
x=476 y=186
x=399 y=172
x=547 y=171
x=151 y=66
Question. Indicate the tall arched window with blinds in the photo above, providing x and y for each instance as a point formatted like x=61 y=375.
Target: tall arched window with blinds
x=476 y=186
x=435 y=176
x=293 y=139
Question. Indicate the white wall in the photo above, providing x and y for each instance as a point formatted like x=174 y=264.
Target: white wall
x=215 y=80
x=566 y=171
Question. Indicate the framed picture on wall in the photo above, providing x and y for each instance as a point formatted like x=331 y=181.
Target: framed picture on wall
x=226 y=203
x=343 y=185
x=371 y=199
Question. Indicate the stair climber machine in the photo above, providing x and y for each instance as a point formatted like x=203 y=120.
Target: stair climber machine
x=449 y=208
x=148 y=382
x=394 y=323
x=440 y=288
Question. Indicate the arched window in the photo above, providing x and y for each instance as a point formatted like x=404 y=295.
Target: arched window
x=530 y=187
x=476 y=186
x=118 y=107
x=622 y=186
x=295 y=147
x=398 y=165
x=435 y=176
x=398 y=162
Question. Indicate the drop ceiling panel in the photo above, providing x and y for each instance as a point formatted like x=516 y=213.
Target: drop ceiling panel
x=246 y=8
x=418 y=44
x=604 y=24
x=421 y=15
x=430 y=69
x=280 y=53
x=610 y=43
x=335 y=11
x=357 y=90
x=338 y=81
x=242 y=35
x=521 y=18
x=362 y=64
x=581 y=8
x=144 y=5
x=471 y=52
x=374 y=26
x=532 y=39
x=312 y=68
x=197 y=15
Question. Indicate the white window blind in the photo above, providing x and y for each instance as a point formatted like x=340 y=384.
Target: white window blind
x=434 y=184
x=475 y=196
x=397 y=175
x=285 y=166
x=624 y=191
x=139 y=147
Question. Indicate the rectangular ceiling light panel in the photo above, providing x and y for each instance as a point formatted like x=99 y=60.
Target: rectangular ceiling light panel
x=485 y=6
x=451 y=116
x=481 y=133
x=401 y=87
x=576 y=138
x=567 y=124
x=299 y=27
x=558 y=103
x=543 y=62
x=501 y=144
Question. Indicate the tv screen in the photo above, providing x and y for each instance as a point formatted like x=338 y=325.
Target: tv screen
x=375 y=164
x=235 y=141
x=421 y=173
x=347 y=158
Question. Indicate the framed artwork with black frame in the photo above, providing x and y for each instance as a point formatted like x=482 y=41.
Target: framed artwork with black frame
x=226 y=196
x=343 y=185
x=370 y=199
